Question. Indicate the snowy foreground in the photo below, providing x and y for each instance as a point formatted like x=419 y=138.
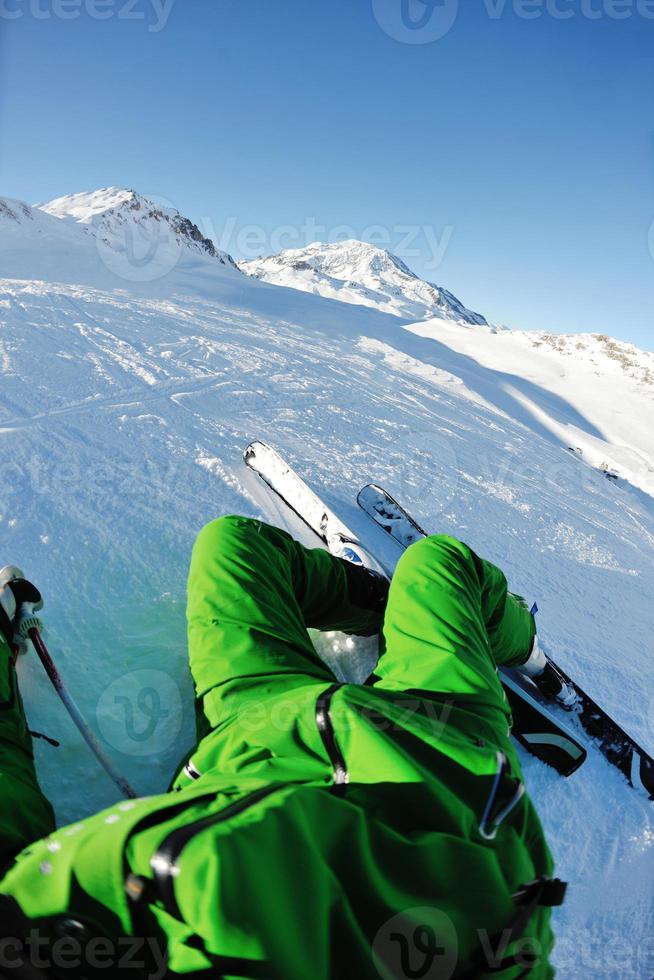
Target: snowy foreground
x=125 y=404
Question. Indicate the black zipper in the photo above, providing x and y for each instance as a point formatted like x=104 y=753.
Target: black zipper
x=164 y=861
x=328 y=736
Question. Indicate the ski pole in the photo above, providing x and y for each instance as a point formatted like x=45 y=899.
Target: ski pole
x=34 y=634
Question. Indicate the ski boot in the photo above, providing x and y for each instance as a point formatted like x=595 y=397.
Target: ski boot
x=547 y=678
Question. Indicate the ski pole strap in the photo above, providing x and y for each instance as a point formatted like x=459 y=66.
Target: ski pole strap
x=542 y=891
x=51 y=741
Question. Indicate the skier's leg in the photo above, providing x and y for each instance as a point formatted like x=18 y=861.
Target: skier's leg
x=450 y=620
x=252 y=593
x=25 y=813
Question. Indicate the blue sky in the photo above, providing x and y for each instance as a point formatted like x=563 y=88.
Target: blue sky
x=509 y=160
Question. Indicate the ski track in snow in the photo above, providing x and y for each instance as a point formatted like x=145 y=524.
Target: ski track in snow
x=122 y=423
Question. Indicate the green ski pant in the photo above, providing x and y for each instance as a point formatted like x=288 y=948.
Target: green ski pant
x=449 y=622
x=253 y=591
x=405 y=834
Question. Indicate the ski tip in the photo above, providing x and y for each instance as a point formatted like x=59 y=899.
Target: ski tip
x=252 y=449
x=367 y=489
x=362 y=493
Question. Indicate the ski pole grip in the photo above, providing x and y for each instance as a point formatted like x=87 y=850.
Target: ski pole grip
x=27 y=620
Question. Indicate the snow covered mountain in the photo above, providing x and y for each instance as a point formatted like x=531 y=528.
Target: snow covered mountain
x=115 y=215
x=109 y=238
x=355 y=272
x=125 y=405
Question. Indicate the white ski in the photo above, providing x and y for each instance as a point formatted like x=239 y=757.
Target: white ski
x=301 y=499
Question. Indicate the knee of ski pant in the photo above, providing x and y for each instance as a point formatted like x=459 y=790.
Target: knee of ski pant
x=219 y=536
x=228 y=525
x=438 y=553
x=232 y=526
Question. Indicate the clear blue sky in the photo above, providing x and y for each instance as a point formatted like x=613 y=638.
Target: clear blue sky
x=527 y=141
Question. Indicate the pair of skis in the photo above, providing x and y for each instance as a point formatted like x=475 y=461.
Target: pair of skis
x=537 y=724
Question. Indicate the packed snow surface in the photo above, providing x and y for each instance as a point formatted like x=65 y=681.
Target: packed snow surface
x=125 y=405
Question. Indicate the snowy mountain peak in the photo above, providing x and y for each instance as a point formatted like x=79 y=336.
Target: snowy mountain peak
x=361 y=273
x=114 y=212
x=88 y=205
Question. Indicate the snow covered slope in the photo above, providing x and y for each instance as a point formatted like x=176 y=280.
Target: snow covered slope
x=34 y=244
x=587 y=392
x=355 y=272
x=124 y=409
x=536 y=370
